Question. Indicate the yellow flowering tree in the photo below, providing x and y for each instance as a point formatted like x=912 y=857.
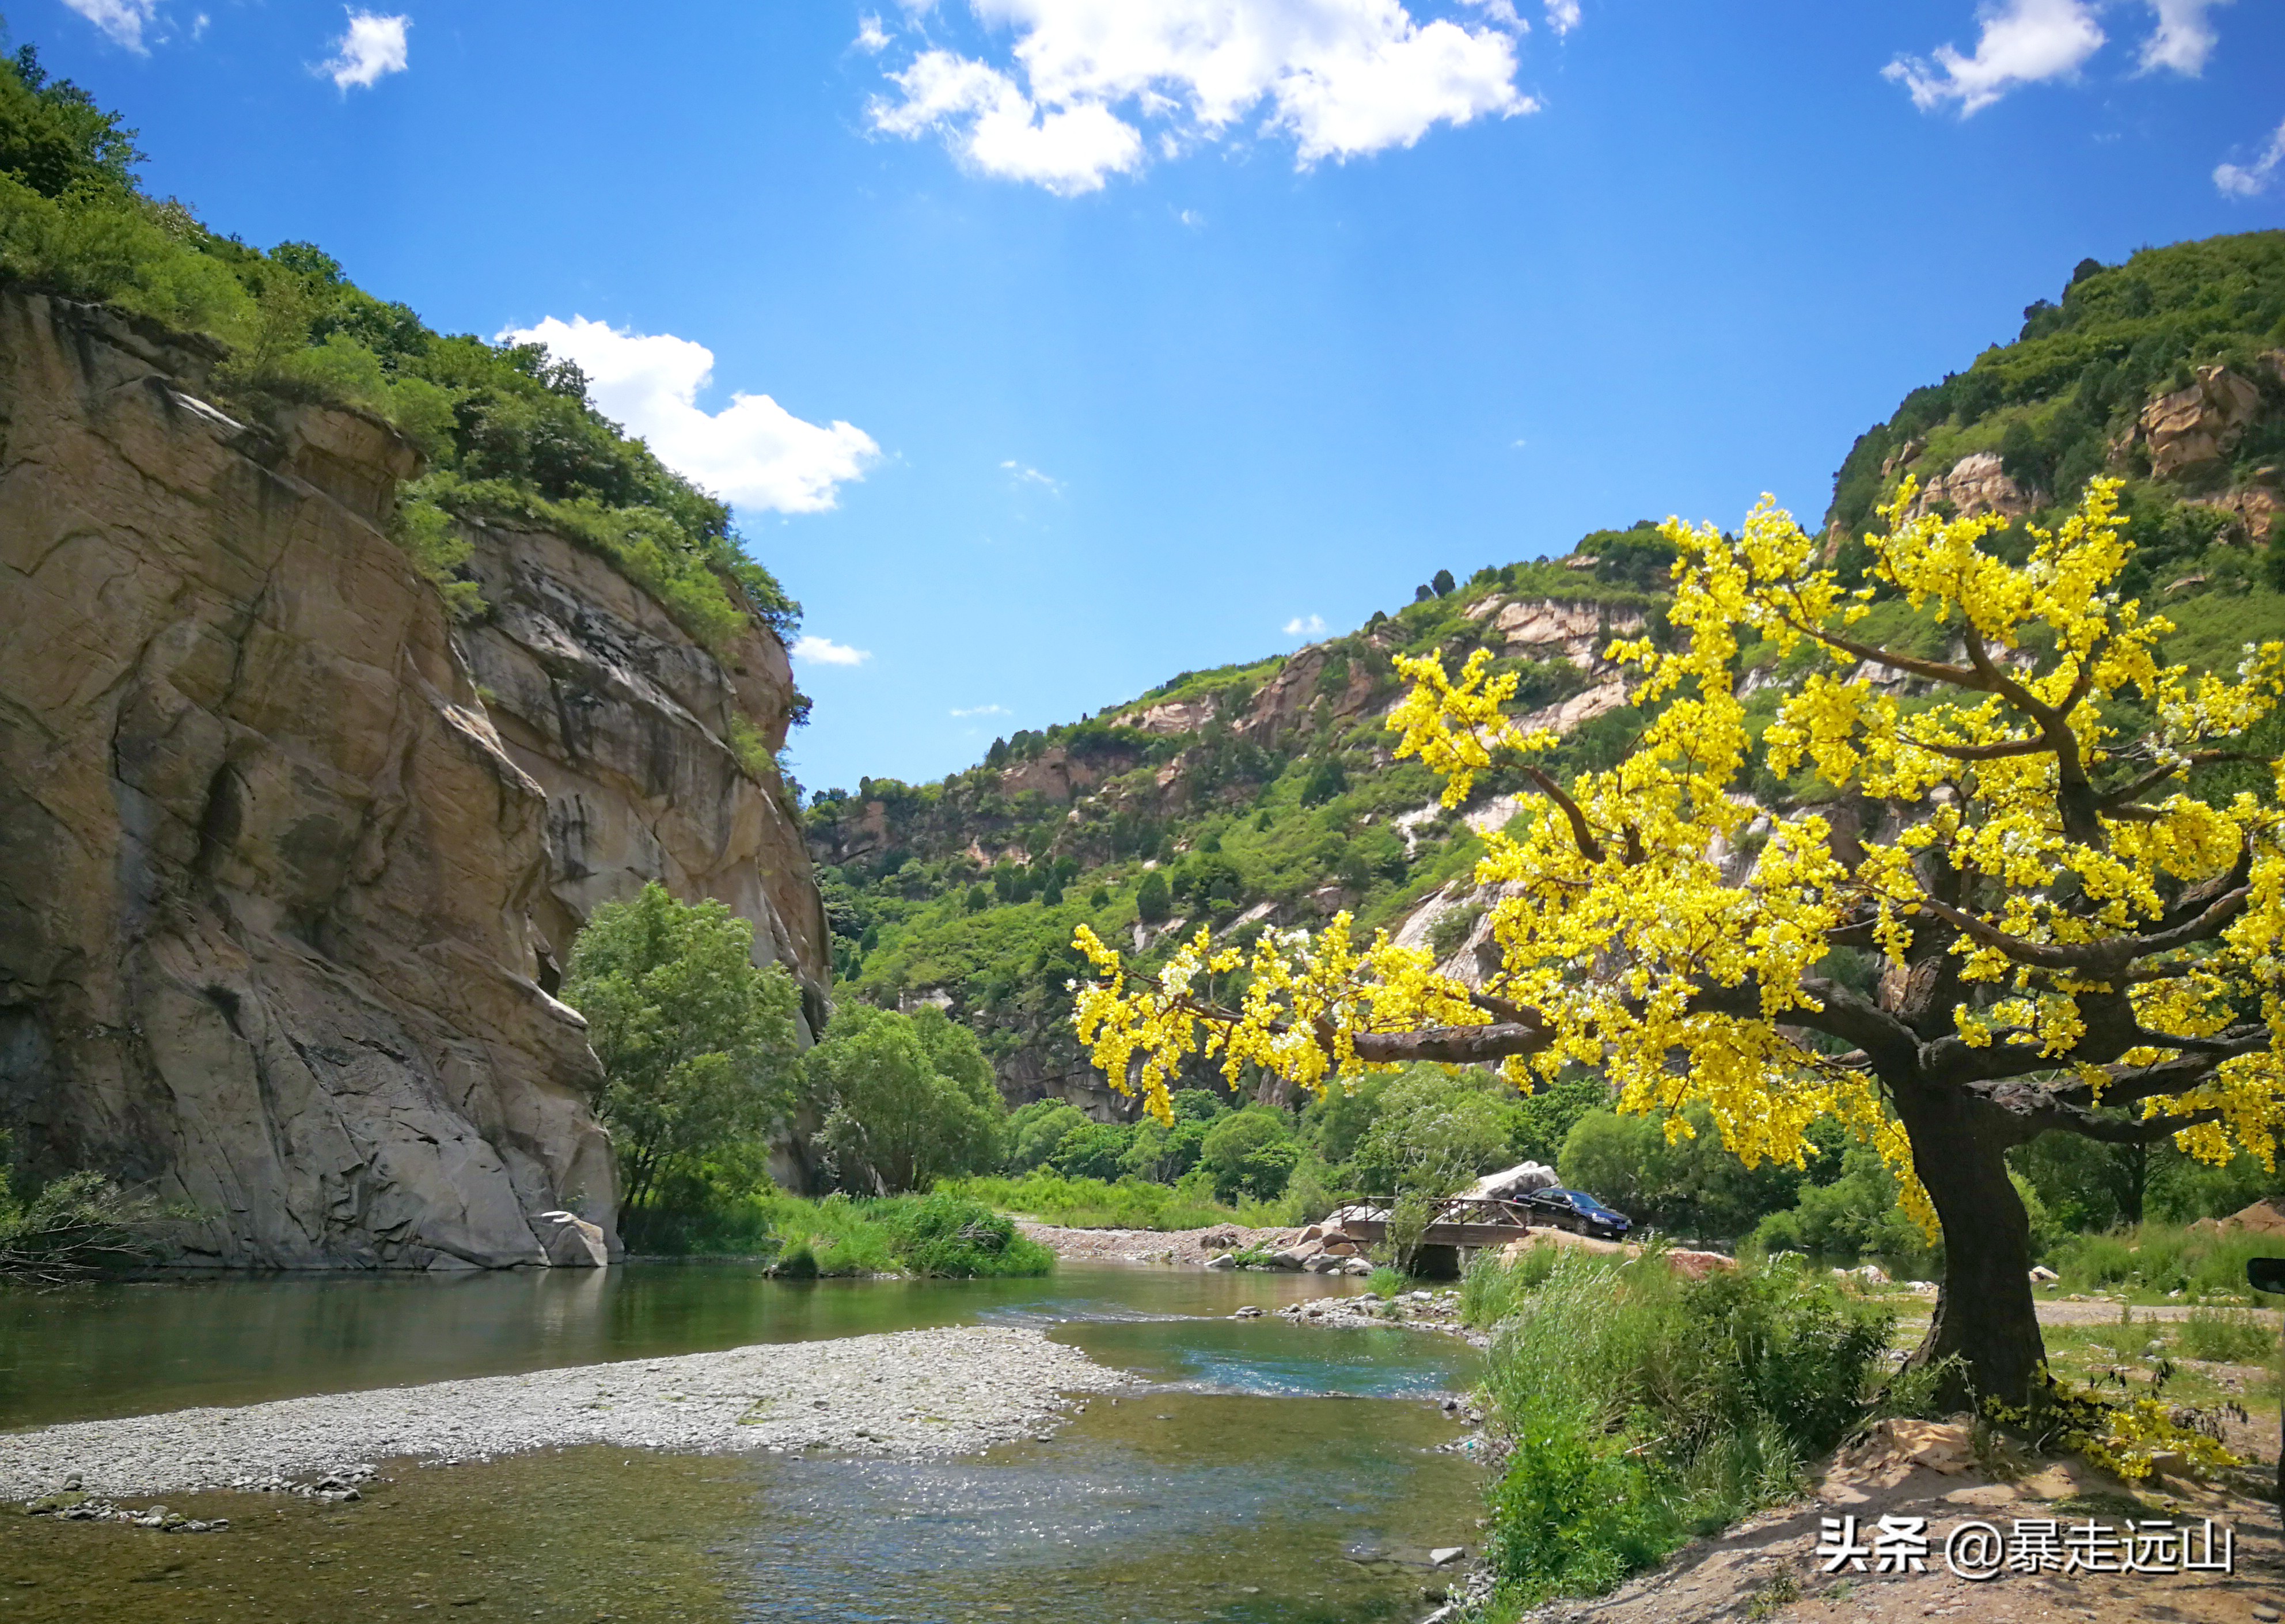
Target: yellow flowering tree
x=2066 y=935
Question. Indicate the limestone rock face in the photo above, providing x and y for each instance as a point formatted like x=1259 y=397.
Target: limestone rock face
x=2199 y=424
x=1579 y=632
x=629 y=727
x=266 y=870
x=1978 y=483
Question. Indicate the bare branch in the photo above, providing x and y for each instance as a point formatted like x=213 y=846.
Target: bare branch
x=1589 y=847
x=2111 y=957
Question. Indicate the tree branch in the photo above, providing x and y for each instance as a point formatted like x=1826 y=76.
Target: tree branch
x=1589 y=847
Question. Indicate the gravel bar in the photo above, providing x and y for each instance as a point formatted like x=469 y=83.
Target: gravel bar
x=914 y=1393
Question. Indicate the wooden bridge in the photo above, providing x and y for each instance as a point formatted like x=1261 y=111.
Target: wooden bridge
x=1456 y=1220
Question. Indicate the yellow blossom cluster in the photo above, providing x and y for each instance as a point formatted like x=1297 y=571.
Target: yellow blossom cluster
x=2023 y=821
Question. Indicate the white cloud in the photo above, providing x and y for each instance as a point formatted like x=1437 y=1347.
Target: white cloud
x=753 y=452
x=1341 y=78
x=1192 y=218
x=983 y=710
x=870 y=36
x=1027 y=475
x=2183 y=39
x=824 y=651
x=2252 y=180
x=1562 y=15
x=374 y=48
x=2024 y=42
x=123 y=21
x=1305 y=626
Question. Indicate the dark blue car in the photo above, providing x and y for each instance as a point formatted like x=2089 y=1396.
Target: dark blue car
x=1576 y=1210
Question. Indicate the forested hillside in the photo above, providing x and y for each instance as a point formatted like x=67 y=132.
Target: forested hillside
x=1263 y=796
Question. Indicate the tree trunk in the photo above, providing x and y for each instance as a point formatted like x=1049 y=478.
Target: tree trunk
x=1984 y=1311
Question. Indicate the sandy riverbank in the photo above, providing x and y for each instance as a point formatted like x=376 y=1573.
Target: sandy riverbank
x=915 y=1393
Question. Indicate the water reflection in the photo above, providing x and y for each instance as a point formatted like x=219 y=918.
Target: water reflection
x=138 y=1348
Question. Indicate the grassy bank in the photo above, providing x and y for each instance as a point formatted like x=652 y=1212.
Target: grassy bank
x=1129 y=1203
x=1643 y=1409
x=944 y=1235
x=2151 y=1260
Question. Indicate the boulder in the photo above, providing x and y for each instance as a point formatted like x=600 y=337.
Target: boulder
x=1509 y=1183
x=2041 y=1275
x=1221 y=1260
x=1698 y=1264
x=571 y=1241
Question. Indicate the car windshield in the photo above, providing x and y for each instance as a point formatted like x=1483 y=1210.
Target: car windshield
x=1586 y=1202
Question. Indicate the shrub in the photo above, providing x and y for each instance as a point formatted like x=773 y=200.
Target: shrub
x=2232 y=1336
x=1642 y=1408
x=952 y=1236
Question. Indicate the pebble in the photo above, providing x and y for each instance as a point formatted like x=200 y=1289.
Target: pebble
x=912 y=1394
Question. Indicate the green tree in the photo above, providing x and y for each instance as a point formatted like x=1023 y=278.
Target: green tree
x=53 y=137
x=1095 y=1152
x=1036 y=1131
x=907 y=1099
x=1250 y=1152
x=697 y=1042
x=1441 y=583
x=1436 y=1130
x=1152 y=900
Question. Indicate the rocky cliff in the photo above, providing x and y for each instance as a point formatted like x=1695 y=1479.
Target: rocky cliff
x=281 y=894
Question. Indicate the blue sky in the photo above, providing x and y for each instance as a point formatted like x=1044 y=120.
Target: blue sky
x=1051 y=347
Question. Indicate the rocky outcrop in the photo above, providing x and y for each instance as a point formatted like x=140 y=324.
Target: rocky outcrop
x=1576 y=632
x=268 y=872
x=1978 y=483
x=632 y=731
x=2196 y=426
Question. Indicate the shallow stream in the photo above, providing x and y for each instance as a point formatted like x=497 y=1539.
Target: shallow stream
x=1269 y=1472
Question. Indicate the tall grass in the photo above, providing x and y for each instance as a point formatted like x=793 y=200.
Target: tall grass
x=1130 y=1203
x=2154 y=1259
x=1642 y=1409
x=943 y=1235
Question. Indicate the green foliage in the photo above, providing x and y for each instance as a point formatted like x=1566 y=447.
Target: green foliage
x=1855 y=1216
x=1437 y=1127
x=1250 y=1152
x=2234 y=1335
x=698 y=1043
x=1153 y=900
x=1384 y=1282
x=1495 y=1287
x=2152 y=1260
x=74 y=1226
x=1129 y=1203
x=1095 y=1152
x=1642 y=1408
x=437 y=551
x=1036 y=1132
x=906 y=1099
x=950 y=1236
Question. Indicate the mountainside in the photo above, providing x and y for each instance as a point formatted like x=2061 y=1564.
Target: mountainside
x=1264 y=796
x=345 y=668
x=287 y=864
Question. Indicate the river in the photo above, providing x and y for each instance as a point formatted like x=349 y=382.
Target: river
x=1268 y=1471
